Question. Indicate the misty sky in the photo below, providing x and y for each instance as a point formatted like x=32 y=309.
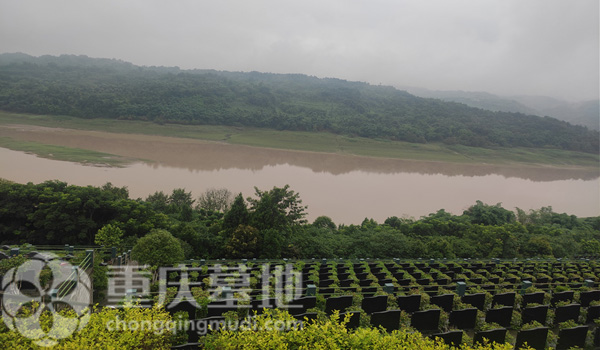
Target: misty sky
x=535 y=47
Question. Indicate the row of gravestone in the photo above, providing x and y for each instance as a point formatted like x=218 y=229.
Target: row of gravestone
x=535 y=338
x=329 y=286
x=403 y=278
x=456 y=267
x=426 y=321
x=502 y=314
x=399 y=271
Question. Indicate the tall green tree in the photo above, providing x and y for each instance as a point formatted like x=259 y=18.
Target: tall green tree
x=158 y=248
x=109 y=236
x=278 y=208
x=236 y=215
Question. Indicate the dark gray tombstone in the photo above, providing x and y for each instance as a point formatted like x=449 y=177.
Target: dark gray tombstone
x=377 y=270
x=492 y=335
x=377 y=303
x=562 y=296
x=477 y=280
x=476 y=300
x=218 y=308
x=343 y=276
x=368 y=291
x=431 y=290
x=384 y=281
x=389 y=320
x=585 y=298
x=365 y=282
x=326 y=283
x=442 y=281
x=338 y=303
x=379 y=275
x=533 y=298
x=427 y=320
x=572 y=337
x=445 y=301
x=404 y=281
x=534 y=338
x=325 y=276
x=326 y=292
x=463 y=319
x=593 y=313
x=362 y=275
x=409 y=303
x=423 y=281
x=504 y=299
x=346 y=283
x=566 y=313
x=417 y=275
x=535 y=313
x=354 y=319
x=453 y=338
x=501 y=316
x=186 y=306
x=360 y=270
x=305 y=302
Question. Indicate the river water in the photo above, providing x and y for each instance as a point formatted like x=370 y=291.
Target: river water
x=344 y=187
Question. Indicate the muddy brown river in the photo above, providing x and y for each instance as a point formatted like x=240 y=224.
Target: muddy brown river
x=344 y=187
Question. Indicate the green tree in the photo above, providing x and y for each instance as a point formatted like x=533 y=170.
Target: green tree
x=237 y=215
x=158 y=248
x=277 y=209
x=215 y=199
x=590 y=247
x=109 y=236
x=158 y=201
x=243 y=242
x=324 y=222
x=481 y=213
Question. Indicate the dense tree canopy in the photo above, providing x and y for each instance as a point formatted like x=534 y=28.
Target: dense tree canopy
x=99 y=88
x=273 y=226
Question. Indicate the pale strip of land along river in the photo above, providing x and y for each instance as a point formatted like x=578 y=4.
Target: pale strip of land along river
x=346 y=188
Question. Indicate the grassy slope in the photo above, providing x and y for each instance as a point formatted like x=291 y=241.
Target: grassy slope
x=63 y=153
x=306 y=141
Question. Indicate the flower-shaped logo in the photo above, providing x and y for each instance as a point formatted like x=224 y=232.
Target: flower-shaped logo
x=25 y=299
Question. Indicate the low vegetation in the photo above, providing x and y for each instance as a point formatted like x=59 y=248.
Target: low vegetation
x=291 y=140
x=63 y=153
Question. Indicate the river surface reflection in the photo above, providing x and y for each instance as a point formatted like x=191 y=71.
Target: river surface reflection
x=345 y=188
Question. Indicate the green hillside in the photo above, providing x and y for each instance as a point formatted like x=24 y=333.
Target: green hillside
x=92 y=88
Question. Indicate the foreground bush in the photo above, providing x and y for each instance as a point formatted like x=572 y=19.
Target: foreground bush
x=328 y=334
x=101 y=332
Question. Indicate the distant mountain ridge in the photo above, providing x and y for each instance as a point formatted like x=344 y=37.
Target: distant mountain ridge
x=586 y=113
x=87 y=87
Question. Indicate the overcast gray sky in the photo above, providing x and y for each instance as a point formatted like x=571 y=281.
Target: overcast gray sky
x=536 y=47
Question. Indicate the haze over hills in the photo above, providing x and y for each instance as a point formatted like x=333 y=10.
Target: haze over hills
x=106 y=88
x=586 y=113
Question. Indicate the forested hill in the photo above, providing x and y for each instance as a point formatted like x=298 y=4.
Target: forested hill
x=92 y=88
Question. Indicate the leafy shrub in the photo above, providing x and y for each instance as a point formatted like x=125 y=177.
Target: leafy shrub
x=324 y=334
x=107 y=329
